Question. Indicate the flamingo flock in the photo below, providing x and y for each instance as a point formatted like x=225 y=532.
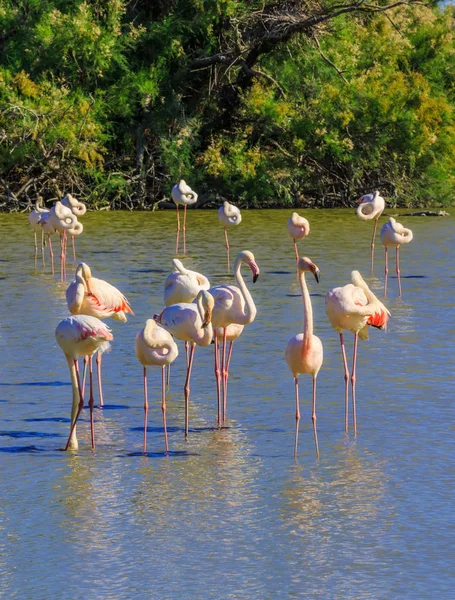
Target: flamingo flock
x=200 y=314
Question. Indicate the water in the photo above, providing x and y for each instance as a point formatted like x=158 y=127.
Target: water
x=230 y=513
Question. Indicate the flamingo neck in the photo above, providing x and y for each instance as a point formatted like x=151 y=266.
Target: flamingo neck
x=249 y=313
x=307 y=309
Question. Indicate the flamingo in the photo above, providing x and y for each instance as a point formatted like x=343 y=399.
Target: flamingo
x=62 y=218
x=353 y=307
x=182 y=194
x=394 y=234
x=77 y=208
x=371 y=206
x=229 y=215
x=34 y=218
x=183 y=285
x=48 y=229
x=155 y=346
x=87 y=295
x=189 y=322
x=232 y=305
x=81 y=336
x=298 y=228
x=304 y=353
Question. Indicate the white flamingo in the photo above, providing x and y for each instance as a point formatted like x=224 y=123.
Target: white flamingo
x=184 y=196
x=371 y=206
x=393 y=234
x=298 y=228
x=229 y=215
x=79 y=209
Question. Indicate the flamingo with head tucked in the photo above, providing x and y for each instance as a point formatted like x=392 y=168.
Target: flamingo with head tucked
x=34 y=218
x=183 y=285
x=182 y=194
x=304 y=352
x=48 y=229
x=62 y=218
x=79 y=209
x=371 y=206
x=393 y=234
x=87 y=295
x=189 y=322
x=298 y=228
x=229 y=215
x=354 y=307
x=155 y=347
x=81 y=336
x=232 y=305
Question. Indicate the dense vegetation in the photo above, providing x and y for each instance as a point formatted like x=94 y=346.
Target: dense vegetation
x=267 y=103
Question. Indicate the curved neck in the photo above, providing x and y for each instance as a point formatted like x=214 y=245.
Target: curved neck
x=250 y=308
x=307 y=309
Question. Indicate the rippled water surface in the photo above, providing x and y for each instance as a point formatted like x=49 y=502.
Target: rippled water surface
x=230 y=513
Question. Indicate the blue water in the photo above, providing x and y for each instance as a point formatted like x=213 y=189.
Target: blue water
x=230 y=513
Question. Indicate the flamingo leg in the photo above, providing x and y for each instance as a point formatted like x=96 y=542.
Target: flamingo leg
x=353 y=380
x=313 y=417
x=51 y=253
x=65 y=238
x=84 y=374
x=91 y=402
x=36 y=248
x=398 y=270
x=163 y=407
x=227 y=374
x=79 y=408
x=186 y=353
x=372 y=243
x=100 y=387
x=227 y=247
x=346 y=384
x=74 y=248
x=42 y=247
x=223 y=372
x=178 y=231
x=62 y=256
x=297 y=415
x=168 y=376
x=296 y=250
x=184 y=229
x=187 y=388
x=218 y=378
x=146 y=409
x=386 y=271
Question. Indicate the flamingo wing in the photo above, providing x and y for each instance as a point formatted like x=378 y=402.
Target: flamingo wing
x=105 y=296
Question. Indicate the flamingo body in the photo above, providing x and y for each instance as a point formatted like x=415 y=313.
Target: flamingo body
x=298 y=228
x=77 y=208
x=229 y=215
x=183 y=285
x=371 y=206
x=183 y=195
x=393 y=234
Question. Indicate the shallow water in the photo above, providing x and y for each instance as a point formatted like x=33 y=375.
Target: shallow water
x=230 y=513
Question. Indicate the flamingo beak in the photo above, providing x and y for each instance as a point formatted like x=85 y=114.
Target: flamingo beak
x=157 y=317
x=317 y=274
x=255 y=270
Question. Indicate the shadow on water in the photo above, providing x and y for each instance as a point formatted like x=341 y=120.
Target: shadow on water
x=114 y=407
x=149 y=271
x=38 y=383
x=21 y=450
x=27 y=434
x=171 y=454
x=48 y=419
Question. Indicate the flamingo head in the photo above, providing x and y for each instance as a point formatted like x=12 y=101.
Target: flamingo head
x=305 y=264
x=205 y=302
x=157 y=317
x=84 y=272
x=248 y=257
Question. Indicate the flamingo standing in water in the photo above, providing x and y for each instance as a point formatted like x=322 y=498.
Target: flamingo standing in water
x=79 y=209
x=189 y=322
x=182 y=194
x=232 y=305
x=304 y=352
x=298 y=228
x=229 y=215
x=87 y=295
x=354 y=307
x=155 y=347
x=48 y=229
x=233 y=332
x=394 y=234
x=183 y=285
x=61 y=218
x=34 y=218
x=371 y=206
x=81 y=336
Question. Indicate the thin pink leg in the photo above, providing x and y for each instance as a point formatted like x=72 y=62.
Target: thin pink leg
x=74 y=248
x=386 y=271
x=100 y=387
x=184 y=229
x=372 y=244
x=84 y=374
x=36 y=248
x=62 y=256
x=146 y=409
x=223 y=372
x=398 y=270
x=296 y=250
x=178 y=231
x=51 y=253
x=313 y=417
x=353 y=380
x=80 y=407
x=187 y=388
x=186 y=353
x=227 y=375
x=163 y=407
x=297 y=415
x=218 y=378
x=91 y=402
x=42 y=247
x=168 y=376
x=65 y=239
x=346 y=385
x=227 y=247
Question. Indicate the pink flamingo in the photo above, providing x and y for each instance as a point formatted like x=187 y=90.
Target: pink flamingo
x=232 y=305
x=155 y=347
x=353 y=307
x=298 y=228
x=371 y=206
x=189 y=322
x=81 y=336
x=34 y=218
x=182 y=194
x=304 y=352
x=79 y=209
x=87 y=295
x=61 y=218
x=229 y=215
x=183 y=285
x=394 y=234
x=48 y=229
